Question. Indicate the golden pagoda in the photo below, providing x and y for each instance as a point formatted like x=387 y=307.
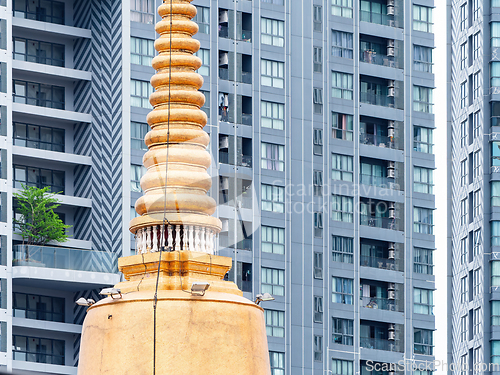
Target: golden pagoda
x=161 y=320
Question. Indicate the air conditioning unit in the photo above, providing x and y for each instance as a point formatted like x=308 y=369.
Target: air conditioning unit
x=390 y=10
x=225 y=225
x=390 y=43
x=391 y=286
x=223 y=16
x=391 y=83
x=224 y=142
x=224 y=184
x=392 y=327
x=391 y=335
x=391 y=166
x=391 y=3
x=390 y=51
x=391 y=294
x=392 y=211
x=392 y=251
x=392 y=23
x=223 y=58
x=391 y=92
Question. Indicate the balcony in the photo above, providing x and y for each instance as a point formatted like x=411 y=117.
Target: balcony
x=246 y=119
x=375 y=262
x=382 y=182
x=224 y=74
x=246 y=161
x=378 y=222
x=371 y=57
x=245 y=244
x=377 y=99
x=380 y=303
x=245 y=36
x=376 y=140
x=245 y=77
x=378 y=18
x=224 y=157
x=378 y=344
x=62 y=258
x=223 y=31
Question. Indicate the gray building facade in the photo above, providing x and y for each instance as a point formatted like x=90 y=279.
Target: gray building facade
x=320 y=118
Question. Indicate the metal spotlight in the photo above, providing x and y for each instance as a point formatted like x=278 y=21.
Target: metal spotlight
x=84 y=301
x=263 y=298
x=199 y=288
x=112 y=292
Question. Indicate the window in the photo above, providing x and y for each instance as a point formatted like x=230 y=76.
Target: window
x=495 y=273
x=275 y=323
x=139 y=94
x=476 y=45
x=422 y=301
x=342 y=331
x=318 y=348
x=463 y=173
x=495 y=233
x=342 y=8
x=342 y=45
x=272 y=32
x=40 y=10
x=463 y=289
x=318 y=182
x=476 y=200
x=142 y=51
x=277 y=361
x=318 y=265
x=39 y=178
x=318 y=18
x=495 y=3
x=463 y=17
x=41 y=137
x=476 y=124
x=318 y=224
x=423 y=181
x=138 y=132
x=342 y=208
x=422 y=18
x=422 y=260
x=37 y=307
x=463 y=250
x=495 y=74
x=477 y=242
x=495 y=351
x=463 y=133
x=273 y=281
x=273 y=157
x=475 y=10
x=342 y=249
x=423 y=341
x=318 y=100
x=463 y=56
x=476 y=282
x=463 y=211
x=318 y=309
x=495 y=113
x=38 y=94
x=475 y=85
x=272 y=73
x=273 y=240
x=273 y=198
x=476 y=164
x=495 y=34
x=33 y=349
x=136 y=172
x=422 y=99
x=342 y=126
x=342 y=367
x=38 y=52
x=272 y=115
x=342 y=167
x=202 y=18
x=204 y=55
x=463 y=329
x=495 y=313
x=463 y=94
x=342 y=87
x=318 y=59
x=422 y=59
x=142 y=11
x=342 y=290
x=423 y=220
x=495 y=193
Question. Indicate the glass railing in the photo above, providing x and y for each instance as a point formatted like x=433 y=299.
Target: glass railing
x=376 y=99
x=371 y=57
x=245 y=244
x=246 y=35
x=377 y=222
x=223 y=31
x=379 y=344
x=379 y=303
x=224 y=73
x=246 y=119
x=383 y=182
x=63 y=258
x=378 y=18
x=246 y=161
x=376 y=140
x=374 y=262
x=246 y=77
x=223 y=157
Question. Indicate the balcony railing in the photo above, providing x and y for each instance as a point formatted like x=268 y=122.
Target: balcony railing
x=383 y=182
x=245 y=244
x=246 y=119
x=376 y=99
x=246 y=77
x=246 y=161
x=371 y=57
x=223 y=31
x=374 y=262
x=246 y=35
x=379 y=344
x=376 y=140
x=379 y=303
x=224 y=73
x=223 y=157
x=378 y=222
x=63 y=258
x=378 y=18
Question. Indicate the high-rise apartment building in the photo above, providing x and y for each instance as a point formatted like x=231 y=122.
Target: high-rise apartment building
x=474 y=182
x=320 y=115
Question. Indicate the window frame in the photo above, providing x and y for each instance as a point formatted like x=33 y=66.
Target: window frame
x=346 y=213
x=276 y=77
